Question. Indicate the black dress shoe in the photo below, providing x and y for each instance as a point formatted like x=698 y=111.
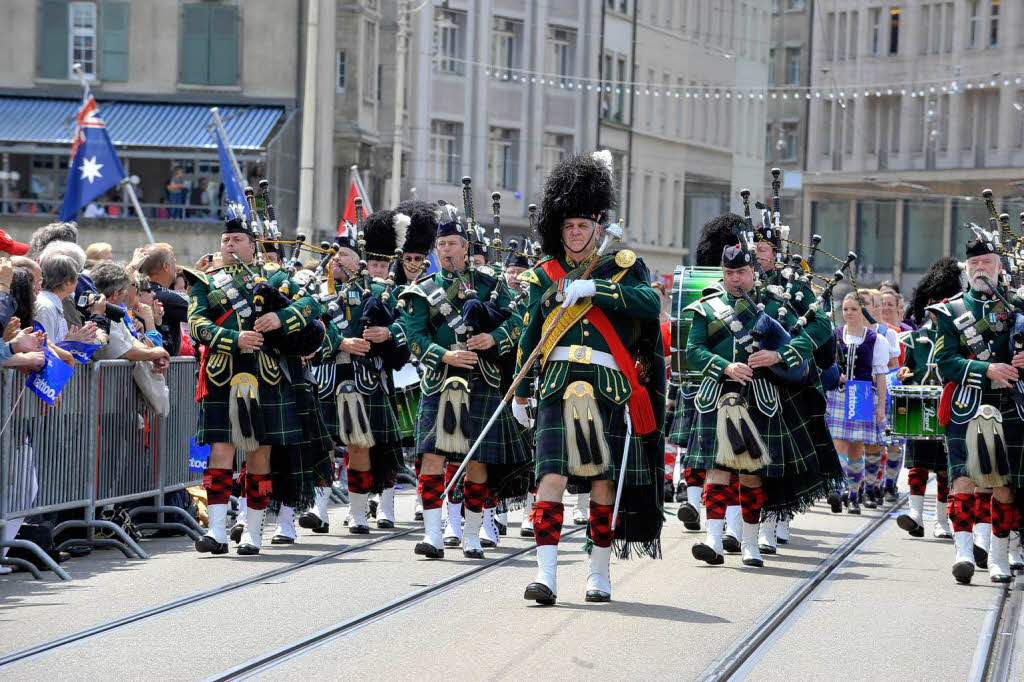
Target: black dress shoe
x=314 y=523
x=756 y=563
x=236 y=532
x=540 y=593
x=452 y=541
x=282 y=540
x=208 y=543
x=428 y=550
x=963 y=571
x=473 y=553
x=487 y=542
x=688 y=513
x=980 y=557
x=373 y=509
x=384 y=523
x=597 y=596
x=707 y=553
x=502 y=528
x=247 y=550
x=359 y=530
x=869 y=502
x=730 y=544
x=781 y=541
x=418 y=515
x=767 y=549
x=526 y=532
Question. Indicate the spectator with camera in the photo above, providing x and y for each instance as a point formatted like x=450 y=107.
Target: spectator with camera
x=157 y=262
x=60 y=278
x=112 y=281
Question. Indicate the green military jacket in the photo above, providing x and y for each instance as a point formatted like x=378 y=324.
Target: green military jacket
x=624 y=294
x=213 y=322
x=921 y=345
x=342 y=318
x=429 y=335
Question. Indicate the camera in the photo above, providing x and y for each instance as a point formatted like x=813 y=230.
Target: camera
x=88 y=299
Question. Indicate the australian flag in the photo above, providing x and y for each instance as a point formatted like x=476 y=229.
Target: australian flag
x=94 y=167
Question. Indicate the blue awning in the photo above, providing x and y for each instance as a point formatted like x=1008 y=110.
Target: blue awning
x=136 y=124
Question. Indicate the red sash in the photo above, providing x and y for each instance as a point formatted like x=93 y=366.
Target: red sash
x=640 y=409
x=202 y=390
x=945 y=414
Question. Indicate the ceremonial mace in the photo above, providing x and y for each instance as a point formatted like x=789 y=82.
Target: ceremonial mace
x=612 y=233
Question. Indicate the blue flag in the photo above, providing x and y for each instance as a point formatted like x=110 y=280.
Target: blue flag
x=232 y=183
x=48 y=382
x=198 y=456
x=94 y=169
x=860 y=400
x=82 y=352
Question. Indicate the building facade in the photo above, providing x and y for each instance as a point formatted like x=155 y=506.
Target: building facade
x=916 y=107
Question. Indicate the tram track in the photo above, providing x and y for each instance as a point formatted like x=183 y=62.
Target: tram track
x=997 y=643
x=312 y=641
x=749 y=646
x=191 y=599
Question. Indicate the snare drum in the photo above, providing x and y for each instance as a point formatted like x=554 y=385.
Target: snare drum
x=915 y=413
x=407 y=399
x=688 y=285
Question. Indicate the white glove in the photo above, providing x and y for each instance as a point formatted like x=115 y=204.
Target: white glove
x=577 y=289
x=522 y=414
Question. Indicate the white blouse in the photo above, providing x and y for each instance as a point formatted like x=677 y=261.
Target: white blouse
x=890 y=338
x=881 y=354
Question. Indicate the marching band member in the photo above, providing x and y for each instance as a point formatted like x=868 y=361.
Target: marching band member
x=596 y=410
x=984 y=433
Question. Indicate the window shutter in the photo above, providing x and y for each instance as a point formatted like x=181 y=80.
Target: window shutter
x=195 y=44
x=52 y=56
x=114 y=36
x=223 y=45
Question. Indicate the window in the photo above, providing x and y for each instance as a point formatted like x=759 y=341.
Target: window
x=209 y=44
x=769 y=143
x=608 y=75
x=993 y=32
x=925 y=32
x=947 y=30
x=775 y=6
x=649 y=102
x=922 y=118
x=677 y=215
x=556 y=148
x=82 y=38
x=448 y=46
x=624 y=6
x=665 y=102
x=973 y=23
x=843 y=35
x=445 y=152
x=943 y=121
x=854 y=35
x=794 y=5
x=993 y=124
x=503 y=158
x=876 y=233
x=922 y=234
x=369 y=80
x=826 y=129
x=894 y=30
x=893 y=107
x=831 y=219
x=506 y=44
x=848 y=131
x=830 y=35
x=792 y=65
x=646 y=228
x=771 y=66
x=668 y=12
x=873 y=125
x=339 y=69
x=787 y=150
x=875 y=17
x=679 y=108
x=562 y=52
x=620 y=91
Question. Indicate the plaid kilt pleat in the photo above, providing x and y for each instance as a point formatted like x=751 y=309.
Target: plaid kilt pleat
x=383 y=420
x=926 y=454
x=503 y=444
x=1013 y=429
x=329 y=412
x=552 y=451
x=682 y=416
x=778 y=436
x=855 y=430
x=277 y=407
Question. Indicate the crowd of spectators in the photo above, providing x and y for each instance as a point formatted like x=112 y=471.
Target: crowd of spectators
x=53 y=291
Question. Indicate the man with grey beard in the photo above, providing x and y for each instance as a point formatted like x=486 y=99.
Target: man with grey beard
x=984 y=428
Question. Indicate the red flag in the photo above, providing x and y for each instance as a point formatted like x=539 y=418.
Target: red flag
x=355 y=189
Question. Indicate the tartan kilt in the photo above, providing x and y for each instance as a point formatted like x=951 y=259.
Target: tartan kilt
x=329 y=412
x=503 y=444
x=552 y=453
x=855 y=430
x=783 y=438
x=277 y=407
x=383 y=420
x=683 y=416
x=1013 y=429
x=926 y=454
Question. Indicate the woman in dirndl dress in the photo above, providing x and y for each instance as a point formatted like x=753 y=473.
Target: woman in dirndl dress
x=866 y=355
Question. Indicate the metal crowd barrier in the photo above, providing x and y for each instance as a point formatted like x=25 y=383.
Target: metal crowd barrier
x=99 y=445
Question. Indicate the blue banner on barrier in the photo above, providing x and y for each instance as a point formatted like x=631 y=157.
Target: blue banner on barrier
x=198 y=456
x=83 y=352
x=48 y=382
x=860 y=400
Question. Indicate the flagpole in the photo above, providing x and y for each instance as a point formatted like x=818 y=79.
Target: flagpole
x=129 y=188
x=227 y=144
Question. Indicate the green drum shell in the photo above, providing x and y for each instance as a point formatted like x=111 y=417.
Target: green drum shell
x=689 y=283
x=407 y=404
x=915 y=413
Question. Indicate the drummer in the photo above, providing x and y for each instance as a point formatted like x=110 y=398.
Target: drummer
x=941 y=281
x=865 y=355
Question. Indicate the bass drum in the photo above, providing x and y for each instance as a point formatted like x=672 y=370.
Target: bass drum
x=689 y=284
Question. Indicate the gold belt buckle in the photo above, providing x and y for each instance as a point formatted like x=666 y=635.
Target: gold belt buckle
x=580 y=354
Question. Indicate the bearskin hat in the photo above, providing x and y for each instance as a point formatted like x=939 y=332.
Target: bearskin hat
x=422 y=230
x=580 y=186
x=717 y=233
x=940 y=281
x=383 y=231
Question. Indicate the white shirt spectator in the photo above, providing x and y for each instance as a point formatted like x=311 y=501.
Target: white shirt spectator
x=880 y=355
x=49 y=312
x=94 y=210
x=890 y=338
x=120 y=342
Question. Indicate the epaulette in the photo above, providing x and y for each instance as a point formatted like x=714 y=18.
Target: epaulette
x=941 y=308
x=698 y=306
x=194 y=276
x=529 y=277
x=906 y=338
